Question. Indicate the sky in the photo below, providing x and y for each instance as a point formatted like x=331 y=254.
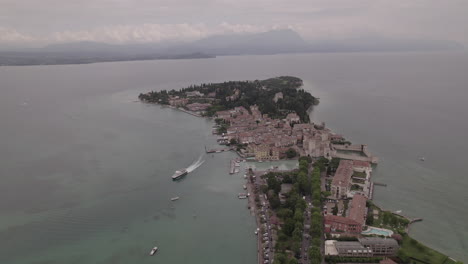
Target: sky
x=41 y=22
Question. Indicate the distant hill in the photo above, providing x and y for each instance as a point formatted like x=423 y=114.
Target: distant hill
x=271 y=42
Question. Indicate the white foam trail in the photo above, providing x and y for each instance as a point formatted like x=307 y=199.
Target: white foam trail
x=196 y=164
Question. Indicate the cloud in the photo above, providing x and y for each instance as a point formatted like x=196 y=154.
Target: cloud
x=144 y=33
x=120 y=21
x=11 y=36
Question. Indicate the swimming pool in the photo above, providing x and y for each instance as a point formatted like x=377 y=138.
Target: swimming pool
x=377 y=231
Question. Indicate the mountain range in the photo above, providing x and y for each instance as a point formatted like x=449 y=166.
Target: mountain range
x=271 y=42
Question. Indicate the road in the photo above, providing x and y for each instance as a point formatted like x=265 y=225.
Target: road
x=263 y=214
x=305 y=236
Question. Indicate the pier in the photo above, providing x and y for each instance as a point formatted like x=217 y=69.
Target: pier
x=219 y=150
x=380 y=184
x=232 y=170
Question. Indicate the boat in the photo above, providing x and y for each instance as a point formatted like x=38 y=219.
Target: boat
x=422 y=159
x=398 y=212
x=256 y=232
x=245 y=187
x=153 y=251
x=242 y=196
x=179 y=174
x=175 y=198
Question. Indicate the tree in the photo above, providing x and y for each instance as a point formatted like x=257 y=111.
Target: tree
x=291 y=153
x=289 y=226
x=314 y=255
x=233 y=141
x=335 y=209
x=273 y=183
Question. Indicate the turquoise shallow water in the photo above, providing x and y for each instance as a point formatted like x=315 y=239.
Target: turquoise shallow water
x=85 y=170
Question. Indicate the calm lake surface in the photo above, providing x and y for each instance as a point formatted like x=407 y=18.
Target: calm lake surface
x=85 y=170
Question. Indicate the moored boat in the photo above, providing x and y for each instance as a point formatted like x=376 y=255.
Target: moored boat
x=242 y=196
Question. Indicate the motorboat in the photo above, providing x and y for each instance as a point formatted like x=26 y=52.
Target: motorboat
x=179 y=174
x=153 y=251
x=175 y=198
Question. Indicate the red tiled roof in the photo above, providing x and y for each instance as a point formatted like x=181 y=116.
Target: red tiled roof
x=359 y=163
x=357 y=208
x=340 y=219
x=343 y=173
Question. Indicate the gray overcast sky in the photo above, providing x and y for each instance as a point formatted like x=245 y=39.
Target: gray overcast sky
x=119 y=21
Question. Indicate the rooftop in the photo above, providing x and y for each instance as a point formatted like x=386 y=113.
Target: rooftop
x=341 y=219
x=357 y=209
x=343 y=173
x=378 y=241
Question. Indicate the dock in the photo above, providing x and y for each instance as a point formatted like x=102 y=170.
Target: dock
x=217 y=150
x=380 y=184
x=233 y=169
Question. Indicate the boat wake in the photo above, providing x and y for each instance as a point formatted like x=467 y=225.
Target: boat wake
x=195 y=164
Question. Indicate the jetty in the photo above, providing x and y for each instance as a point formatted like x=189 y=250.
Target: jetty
x=233 y=169
x=219 y=150
x=380 y=184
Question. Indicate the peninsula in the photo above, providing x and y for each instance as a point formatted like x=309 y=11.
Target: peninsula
x=322 y=211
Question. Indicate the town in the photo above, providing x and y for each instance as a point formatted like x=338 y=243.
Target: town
x=321 y=212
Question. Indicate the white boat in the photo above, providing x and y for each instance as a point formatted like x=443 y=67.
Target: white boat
x=422 y=159
x=179 y=174
x=153 y=251
x=398 y=212
x=242 y=196
x=256 y=232
x=175 y=198
x=245 y=187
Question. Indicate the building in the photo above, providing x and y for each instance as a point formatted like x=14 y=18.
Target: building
x=265 y=152
x=194 y=94
x=340 y=183
x=380 y=246
x=178 y=101
x=352 y=249
x=357 y=209
x=277 y=97
x=226 y=115
x=340 y=224
x=196 y=107
x=293 y=118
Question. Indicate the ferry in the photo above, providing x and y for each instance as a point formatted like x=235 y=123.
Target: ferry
x=175 y=198
x=153 y=251
x=179 y=174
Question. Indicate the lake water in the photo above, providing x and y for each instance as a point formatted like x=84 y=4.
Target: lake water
x=85 y=170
